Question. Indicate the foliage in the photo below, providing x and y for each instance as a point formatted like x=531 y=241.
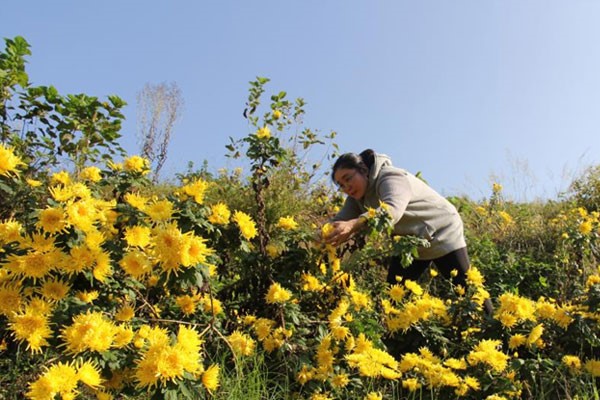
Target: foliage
x=220 y=287
x=585 y=189
x=47 y=128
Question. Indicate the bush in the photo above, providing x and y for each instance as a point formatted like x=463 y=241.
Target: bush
x=219 y=287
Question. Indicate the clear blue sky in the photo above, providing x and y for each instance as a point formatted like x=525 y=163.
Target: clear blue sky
x=460 y=90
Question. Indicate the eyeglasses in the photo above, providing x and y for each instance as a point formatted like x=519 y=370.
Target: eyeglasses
x=345 y=181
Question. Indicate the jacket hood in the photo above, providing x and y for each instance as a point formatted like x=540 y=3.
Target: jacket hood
x=381 y=160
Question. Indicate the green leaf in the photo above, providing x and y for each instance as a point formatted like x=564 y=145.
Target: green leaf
x=199 y=279
x=183 y=389
x=171 y=394
x=5 y=188
x=262 y=80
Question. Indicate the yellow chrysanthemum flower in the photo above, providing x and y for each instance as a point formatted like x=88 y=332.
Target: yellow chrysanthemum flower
x=161 y=362
x=137 y=236
x=360 y=300
x=90 y=331
x=263 y=133
x=372 y=362
x=219 y=214
x=304 y=375
x=311 y=283
x=54 y=289
x=210 y=378
x=320 y=396
x=246 y=225
x=414 y=287
x=42 y=389
x=396 y=292
x=123 y=336
x=52 y=220
x=411 y=384
x=136 y=263
x=340 y=380
x=535 y=334
x=34 y=264
x=196 y=189
x=33 y=182
x=9 y=162
x=136 y=164
x=31 y=326
x=103 y=267
x=87 y=296
x=92 y=174
x=516 y=340
x=474 y=276
x=572 y=362
x=194 y=250
x=187 y=304
x=160 y=210
x=211 y=305
x=326 y=230
x=288 y=223
x=82 y=214
x=88 y=373
x=10 y=231
x=486 y=352
x=263 y=327
x=374 y=396
x=241 y=343
x=136 y=200
x=64 y=379
x=585 y=227
x=61 y=177
x=277 y=294
x=514 y=308
x=169 y=247
x=593 y=367
x=10 y=299
x=125 y=313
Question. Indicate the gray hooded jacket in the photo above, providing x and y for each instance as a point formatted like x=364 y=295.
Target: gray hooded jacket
x=415 y=208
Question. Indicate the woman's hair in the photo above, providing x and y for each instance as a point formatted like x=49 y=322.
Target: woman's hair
x=361 y=162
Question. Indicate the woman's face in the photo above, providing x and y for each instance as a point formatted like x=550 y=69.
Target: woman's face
x=352 y=182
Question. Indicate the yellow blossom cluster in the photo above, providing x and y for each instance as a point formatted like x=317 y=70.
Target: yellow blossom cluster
x=62 y=379
x=9 y=161
x=287 y=223
x=402 y=311
x=263 y=133
x=241 y=343
x=162 y=361
x=135 y=266
x=372 y=362
x=196 y=189
x=277 y=294
x=487 y=352
x=220 y=214
x=136 y=164
x=270 y=336
x=246 y=224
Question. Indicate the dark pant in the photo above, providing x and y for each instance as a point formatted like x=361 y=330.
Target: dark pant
x=457 y=260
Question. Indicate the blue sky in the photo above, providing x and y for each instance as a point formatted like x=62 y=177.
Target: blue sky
x=466 y=91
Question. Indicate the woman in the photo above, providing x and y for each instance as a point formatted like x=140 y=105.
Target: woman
x=369 y=178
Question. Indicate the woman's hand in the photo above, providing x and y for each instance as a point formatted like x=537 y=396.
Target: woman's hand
x=341 y=231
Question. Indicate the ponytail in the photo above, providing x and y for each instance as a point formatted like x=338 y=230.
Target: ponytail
x=368 y=157
x=361 y=162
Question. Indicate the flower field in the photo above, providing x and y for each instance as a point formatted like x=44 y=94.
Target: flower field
x=218 y=286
